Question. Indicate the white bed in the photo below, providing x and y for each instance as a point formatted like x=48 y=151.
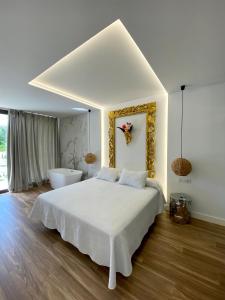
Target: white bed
x=105 y=220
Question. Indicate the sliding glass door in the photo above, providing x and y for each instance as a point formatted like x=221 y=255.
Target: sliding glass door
x=3 y=151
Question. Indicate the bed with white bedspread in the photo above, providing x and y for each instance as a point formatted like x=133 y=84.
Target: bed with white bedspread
x=105 y=220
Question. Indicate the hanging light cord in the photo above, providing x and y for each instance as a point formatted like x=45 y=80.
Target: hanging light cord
x=89 y=139
x=181 y=127
x=182 y=117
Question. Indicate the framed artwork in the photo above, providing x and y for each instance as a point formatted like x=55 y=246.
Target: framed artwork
x=138 y=154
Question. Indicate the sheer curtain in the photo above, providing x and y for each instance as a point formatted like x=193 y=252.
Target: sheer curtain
x=33 y=148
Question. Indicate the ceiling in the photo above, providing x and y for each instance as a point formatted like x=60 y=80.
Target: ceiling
x=183 y=41
x=100 y=73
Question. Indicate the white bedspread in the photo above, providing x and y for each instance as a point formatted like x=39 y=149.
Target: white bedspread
x=105 y=220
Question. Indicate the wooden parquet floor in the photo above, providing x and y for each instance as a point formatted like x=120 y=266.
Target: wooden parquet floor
x=174 y=261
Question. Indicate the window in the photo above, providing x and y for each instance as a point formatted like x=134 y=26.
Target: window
x=3 y=150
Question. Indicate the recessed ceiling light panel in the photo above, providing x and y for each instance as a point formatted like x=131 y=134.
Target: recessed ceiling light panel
x=80 y=109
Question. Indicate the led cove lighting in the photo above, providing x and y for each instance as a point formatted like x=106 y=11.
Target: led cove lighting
x=103 y=159
x=63 y=93
x=40 y=82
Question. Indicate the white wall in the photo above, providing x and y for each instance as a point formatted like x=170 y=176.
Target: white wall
x=203 y=145
x=125 y=155
x=95 y=141
x=161 y=134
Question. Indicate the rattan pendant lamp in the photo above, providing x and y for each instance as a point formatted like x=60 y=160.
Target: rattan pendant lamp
x=181 y=166
x=90 y=157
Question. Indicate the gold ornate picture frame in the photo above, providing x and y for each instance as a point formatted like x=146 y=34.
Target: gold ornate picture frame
x=150 y=110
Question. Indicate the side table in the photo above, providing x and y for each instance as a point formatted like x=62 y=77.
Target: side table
x=180 y=208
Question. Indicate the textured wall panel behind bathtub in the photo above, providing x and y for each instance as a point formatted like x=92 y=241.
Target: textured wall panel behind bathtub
x=74 y=142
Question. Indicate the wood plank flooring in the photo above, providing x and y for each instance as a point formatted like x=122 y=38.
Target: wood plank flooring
x=176 y=262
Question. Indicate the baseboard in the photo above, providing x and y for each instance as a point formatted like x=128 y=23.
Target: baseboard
x=201 y=216
x=208 y=218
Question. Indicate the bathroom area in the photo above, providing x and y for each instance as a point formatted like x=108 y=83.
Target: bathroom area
x=79 y=134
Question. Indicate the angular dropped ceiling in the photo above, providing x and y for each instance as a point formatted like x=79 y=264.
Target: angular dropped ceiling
x=106 y=70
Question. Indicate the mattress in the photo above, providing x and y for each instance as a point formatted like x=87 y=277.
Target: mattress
x=105 y=220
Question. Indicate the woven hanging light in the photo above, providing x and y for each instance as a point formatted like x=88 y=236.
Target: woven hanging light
x=89 y=158
x=181 y=166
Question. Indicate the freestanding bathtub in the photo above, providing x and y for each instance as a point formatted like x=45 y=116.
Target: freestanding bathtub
x=61 y=177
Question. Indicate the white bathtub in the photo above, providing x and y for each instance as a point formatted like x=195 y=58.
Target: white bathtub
x=61 y=177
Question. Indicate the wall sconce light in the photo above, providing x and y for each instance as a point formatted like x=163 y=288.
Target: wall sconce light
x=127 y=130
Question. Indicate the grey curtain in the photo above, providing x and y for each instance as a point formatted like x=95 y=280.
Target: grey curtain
x=33 y=148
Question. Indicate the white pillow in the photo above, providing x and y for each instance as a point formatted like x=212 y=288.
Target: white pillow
x=133 y=178
x=109 y=174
